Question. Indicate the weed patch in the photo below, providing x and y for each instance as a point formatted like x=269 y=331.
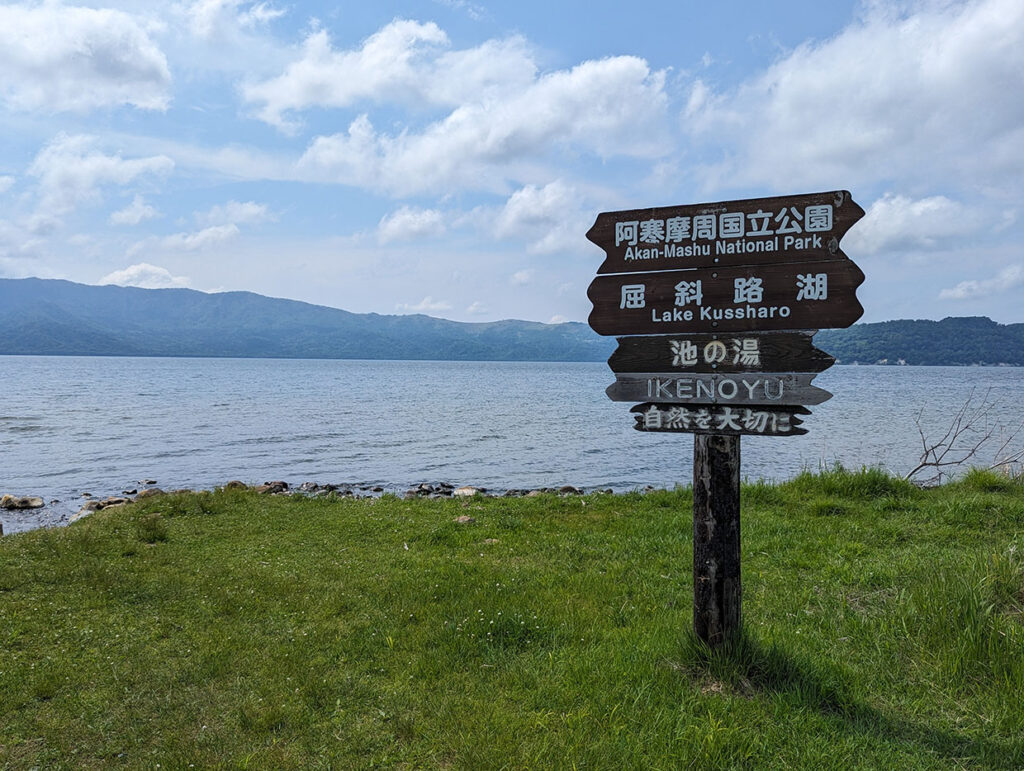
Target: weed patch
x=984 y=481
x=827 y=507
x=151 y=528
x=866 y=484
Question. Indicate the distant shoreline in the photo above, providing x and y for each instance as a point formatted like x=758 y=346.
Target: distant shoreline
x=999 y=365
x=50 y=317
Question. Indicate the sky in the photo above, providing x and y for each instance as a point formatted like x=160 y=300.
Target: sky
x=448 y=156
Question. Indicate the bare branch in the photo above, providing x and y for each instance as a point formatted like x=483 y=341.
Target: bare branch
x=972 y=426
x=1003 y=458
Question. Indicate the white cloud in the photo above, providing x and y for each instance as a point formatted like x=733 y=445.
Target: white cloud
x=493 y=70
x=898 y=223
x=238 y=163
x=558 y=318
x=134 y=213
x=18 y=245
x=57 y=57
x=219 y=18
x=259 y=13
x=1009 y=278
x=232 y=40
x=522 y=277
x=404 y=61
x=409 y=224
x=6 y=183
x=146 y=276
x=189 y=242
x=221 y=226
x=483 y=145
x=473 y=10
x=928 y=95
x=42 y=224
x=550 y=218
x=71 y=172
x=234 y=212
x=427 y=304
x=477 y=308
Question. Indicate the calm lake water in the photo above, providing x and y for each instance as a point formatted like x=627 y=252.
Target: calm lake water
x=75 y=424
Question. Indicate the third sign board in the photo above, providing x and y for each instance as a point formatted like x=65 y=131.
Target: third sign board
x=740 y=352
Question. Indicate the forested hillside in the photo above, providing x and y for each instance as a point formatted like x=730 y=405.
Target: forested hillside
x=50 y=317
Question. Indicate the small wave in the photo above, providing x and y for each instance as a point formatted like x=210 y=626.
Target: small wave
x=26 y=429
x=63 y=472
x=182 y=453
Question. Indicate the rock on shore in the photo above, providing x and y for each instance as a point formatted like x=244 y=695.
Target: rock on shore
x=25 y=502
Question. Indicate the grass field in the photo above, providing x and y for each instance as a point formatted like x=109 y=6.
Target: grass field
x=883 y=629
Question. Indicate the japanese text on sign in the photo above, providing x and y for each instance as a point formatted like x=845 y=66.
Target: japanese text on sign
x=788 y=220
x=746 y=291
x=744 y=351
x=715 y=419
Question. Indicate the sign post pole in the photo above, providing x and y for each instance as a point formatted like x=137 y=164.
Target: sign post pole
x=717 y=591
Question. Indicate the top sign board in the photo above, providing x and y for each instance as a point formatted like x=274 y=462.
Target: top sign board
x=755 y=231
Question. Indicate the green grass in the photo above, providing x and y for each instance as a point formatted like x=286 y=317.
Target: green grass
x=884 y=628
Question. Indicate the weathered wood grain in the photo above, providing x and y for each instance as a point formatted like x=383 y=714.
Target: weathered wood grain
x=738 y=352
x=717 y=590
x=740 y=389
x=643 y=240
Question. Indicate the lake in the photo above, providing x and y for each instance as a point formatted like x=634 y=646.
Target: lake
x=70 y=425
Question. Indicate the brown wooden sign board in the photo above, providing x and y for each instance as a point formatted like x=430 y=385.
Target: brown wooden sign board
x=771 y=388
x=739 y=352
x=720 y=419
x=755 y=231
x=760 y=298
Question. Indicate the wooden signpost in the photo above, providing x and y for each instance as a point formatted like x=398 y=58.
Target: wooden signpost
x=725 y=299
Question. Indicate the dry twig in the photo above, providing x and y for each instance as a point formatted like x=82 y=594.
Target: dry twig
x=971 y=428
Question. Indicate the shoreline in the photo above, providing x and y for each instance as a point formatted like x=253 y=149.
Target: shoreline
x=61 y=512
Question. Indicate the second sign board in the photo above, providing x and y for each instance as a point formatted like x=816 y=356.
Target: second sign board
x=786 y=296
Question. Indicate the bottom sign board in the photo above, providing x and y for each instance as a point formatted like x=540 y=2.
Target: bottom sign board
x=720 y=419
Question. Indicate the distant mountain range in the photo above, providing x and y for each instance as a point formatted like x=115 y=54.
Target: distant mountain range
x=50 y=317
x=42 y=316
